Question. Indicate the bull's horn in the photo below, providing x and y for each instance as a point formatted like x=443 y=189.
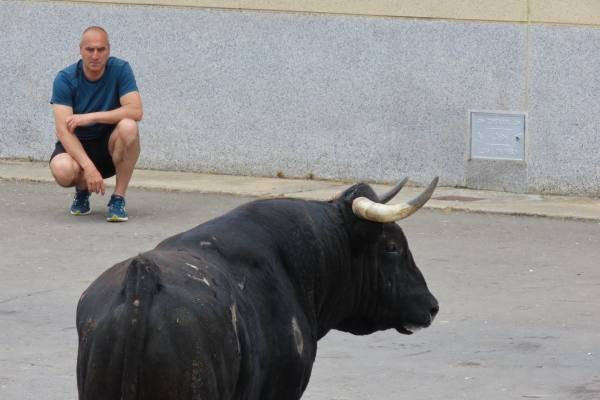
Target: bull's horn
x=387 y=196
x=377 y=212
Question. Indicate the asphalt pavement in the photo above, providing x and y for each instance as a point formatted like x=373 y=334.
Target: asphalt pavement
x=519 y=295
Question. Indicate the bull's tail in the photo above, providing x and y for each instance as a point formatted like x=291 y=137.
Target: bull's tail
x=142 y=281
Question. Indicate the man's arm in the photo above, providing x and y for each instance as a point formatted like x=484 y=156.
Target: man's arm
x=74 y=148
x=131 y=107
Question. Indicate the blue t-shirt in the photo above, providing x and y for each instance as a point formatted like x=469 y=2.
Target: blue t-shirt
x=71 y=88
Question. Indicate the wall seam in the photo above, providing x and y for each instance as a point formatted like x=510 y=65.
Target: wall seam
x=528 y=20
x=527 y=95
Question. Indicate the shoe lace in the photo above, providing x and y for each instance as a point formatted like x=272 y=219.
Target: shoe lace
x=81 y=197
x=117 y=204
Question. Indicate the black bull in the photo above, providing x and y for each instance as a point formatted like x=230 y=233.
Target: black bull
x=233 y=308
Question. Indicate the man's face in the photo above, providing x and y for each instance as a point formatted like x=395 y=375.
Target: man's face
x=94 y=50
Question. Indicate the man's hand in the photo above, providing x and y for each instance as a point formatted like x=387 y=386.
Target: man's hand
x=75 y=120
x=66 y=122
x=94 y=180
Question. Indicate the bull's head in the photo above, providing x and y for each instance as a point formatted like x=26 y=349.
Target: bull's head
x=393 y=293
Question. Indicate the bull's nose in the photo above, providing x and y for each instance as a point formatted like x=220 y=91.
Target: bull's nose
x=434 y=310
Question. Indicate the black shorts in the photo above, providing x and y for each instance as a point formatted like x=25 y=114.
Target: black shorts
x=97 y=151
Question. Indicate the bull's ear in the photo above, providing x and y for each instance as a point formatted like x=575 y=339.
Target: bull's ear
x=363 y=231
x=360 y=229
x=364 y=190
x=354 y=192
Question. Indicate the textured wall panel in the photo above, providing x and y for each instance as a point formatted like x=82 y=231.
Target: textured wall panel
x=564 y=104
x=343 y=97
x=262 y=93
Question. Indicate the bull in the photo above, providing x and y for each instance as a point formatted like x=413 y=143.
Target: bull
x=233 y=308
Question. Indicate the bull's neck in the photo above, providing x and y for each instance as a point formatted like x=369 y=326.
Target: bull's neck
x=316 y=254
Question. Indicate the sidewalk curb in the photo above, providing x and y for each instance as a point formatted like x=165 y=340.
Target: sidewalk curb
x=444 y=199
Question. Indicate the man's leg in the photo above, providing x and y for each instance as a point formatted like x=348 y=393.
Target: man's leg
x=124 y=148
x=66 y=171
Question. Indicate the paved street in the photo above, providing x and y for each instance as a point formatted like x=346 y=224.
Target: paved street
x=519 y=297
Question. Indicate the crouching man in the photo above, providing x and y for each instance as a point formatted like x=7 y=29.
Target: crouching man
x=97 y=108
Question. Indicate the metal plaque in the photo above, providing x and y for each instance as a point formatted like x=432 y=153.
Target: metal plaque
x=497 y=136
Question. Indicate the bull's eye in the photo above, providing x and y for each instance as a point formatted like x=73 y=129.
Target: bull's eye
x=391 y=247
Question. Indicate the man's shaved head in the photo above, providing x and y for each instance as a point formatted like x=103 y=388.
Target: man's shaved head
x=95 y=29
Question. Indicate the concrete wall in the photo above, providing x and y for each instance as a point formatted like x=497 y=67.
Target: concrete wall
x=326 y=93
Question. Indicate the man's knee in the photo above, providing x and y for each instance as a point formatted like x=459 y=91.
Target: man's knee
x=124 y=143
x=65 y=170
x=128 y=132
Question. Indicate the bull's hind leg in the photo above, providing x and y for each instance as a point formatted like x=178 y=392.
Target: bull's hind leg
x=100 y=357
x=188 y=355
x=112 y=328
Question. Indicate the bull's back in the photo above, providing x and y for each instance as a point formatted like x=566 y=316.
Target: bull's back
x=150 y=332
